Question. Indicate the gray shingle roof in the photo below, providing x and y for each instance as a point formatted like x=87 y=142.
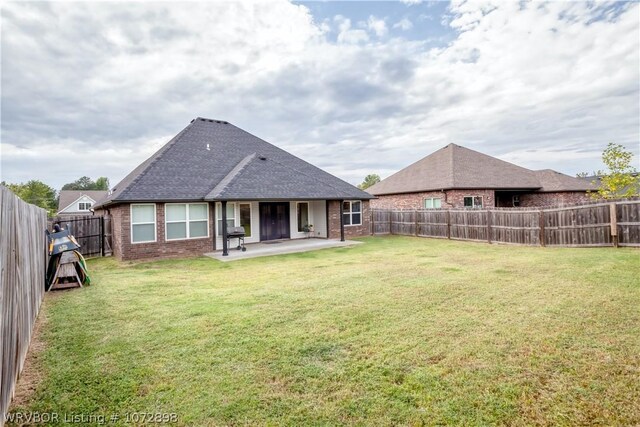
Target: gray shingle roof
x=454 y=167
x=214 y=160
x=552 y=181
x=66 y=197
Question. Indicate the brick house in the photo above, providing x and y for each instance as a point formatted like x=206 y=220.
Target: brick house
x=213 y=173
x=456 y=177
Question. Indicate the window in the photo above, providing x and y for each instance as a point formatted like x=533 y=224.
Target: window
x=231 y=216
x=84 y=206
x=303 y=216
x=473 y=202
x=352 y=213
x=143 y=223
x=245 y=218
x=432 y=203
x=186 y=220
x=516 y=201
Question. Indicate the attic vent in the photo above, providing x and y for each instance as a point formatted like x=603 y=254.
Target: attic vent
x=262 y=157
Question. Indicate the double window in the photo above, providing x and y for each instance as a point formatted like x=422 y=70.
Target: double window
x=186 y=220
x=473 y=202
x=352 y=212
x=432 y=203
x=84 y=206
x=244 y=217
x=143 y=223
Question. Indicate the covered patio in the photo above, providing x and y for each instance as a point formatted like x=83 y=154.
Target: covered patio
x=280 y=247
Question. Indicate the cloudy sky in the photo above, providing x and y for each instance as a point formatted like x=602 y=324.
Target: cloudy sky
x=355 y=88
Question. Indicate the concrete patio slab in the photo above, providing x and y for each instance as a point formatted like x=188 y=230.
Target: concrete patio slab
x=279 y=247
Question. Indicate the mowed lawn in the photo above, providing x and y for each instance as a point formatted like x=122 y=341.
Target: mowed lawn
x=395 y=331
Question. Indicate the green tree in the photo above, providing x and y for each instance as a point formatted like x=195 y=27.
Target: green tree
x=621 y=180
x=86 y=183
x=102 y=183
x=37 y=193
x=369 y=180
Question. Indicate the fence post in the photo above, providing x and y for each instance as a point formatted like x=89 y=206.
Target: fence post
x=613 y=215
x=448 y=216
x=390 y=222
x=102 y=236
x=541 y=225
x=415 y=213
x=373 y=224
x=489 y=226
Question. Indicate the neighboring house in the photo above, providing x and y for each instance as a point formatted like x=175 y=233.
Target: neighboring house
x=456 y=177
x=176 y=202
x=78 y=202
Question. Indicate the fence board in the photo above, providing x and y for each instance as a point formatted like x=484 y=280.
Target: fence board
x=22 y=270
x=585 y=225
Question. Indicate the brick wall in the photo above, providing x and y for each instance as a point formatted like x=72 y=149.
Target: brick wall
x=349 y=230
x=123 y=249
x=449 y=199
x=554 y=199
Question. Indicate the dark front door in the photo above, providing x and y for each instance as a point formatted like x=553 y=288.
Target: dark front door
x=274 y=221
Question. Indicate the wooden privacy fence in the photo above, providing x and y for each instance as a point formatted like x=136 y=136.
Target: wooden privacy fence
x=22 y=269
x=598 y=224
x=93 y=233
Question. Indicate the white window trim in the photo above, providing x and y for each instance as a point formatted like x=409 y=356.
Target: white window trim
x=155 y=225
x=424 y=202
x=187 y=220
x=350 y=213
x=473 y=201
x=236 y=212
x=308 y=215
x=85 y=203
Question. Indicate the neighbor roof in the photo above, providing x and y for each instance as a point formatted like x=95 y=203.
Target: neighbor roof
x=552 y=181
x=454 y=167
x=67 y=197
x=215 y=160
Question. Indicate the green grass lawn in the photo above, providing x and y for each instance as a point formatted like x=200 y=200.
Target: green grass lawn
x=396 y=331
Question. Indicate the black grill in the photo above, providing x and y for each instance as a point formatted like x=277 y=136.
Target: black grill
x=236 y=233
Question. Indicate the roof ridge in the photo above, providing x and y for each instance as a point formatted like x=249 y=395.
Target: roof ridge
x=154 y=158
x=451 y=147
x=226 y=181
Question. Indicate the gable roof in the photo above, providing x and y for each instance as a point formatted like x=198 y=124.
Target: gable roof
x=456 y=167
x=215 y=160
x=68 y=197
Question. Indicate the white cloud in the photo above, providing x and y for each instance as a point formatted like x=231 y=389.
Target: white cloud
x=542 y=84
x=377 y=25
x=347 y=34
x=404 y=24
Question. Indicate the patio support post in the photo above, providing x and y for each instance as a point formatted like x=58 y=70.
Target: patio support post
x=342 y=220
x=225 y=250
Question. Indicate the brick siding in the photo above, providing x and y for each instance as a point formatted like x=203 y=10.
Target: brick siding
x=449 y=199
x=554 y=199
x=123 y=249
x=349 y=230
